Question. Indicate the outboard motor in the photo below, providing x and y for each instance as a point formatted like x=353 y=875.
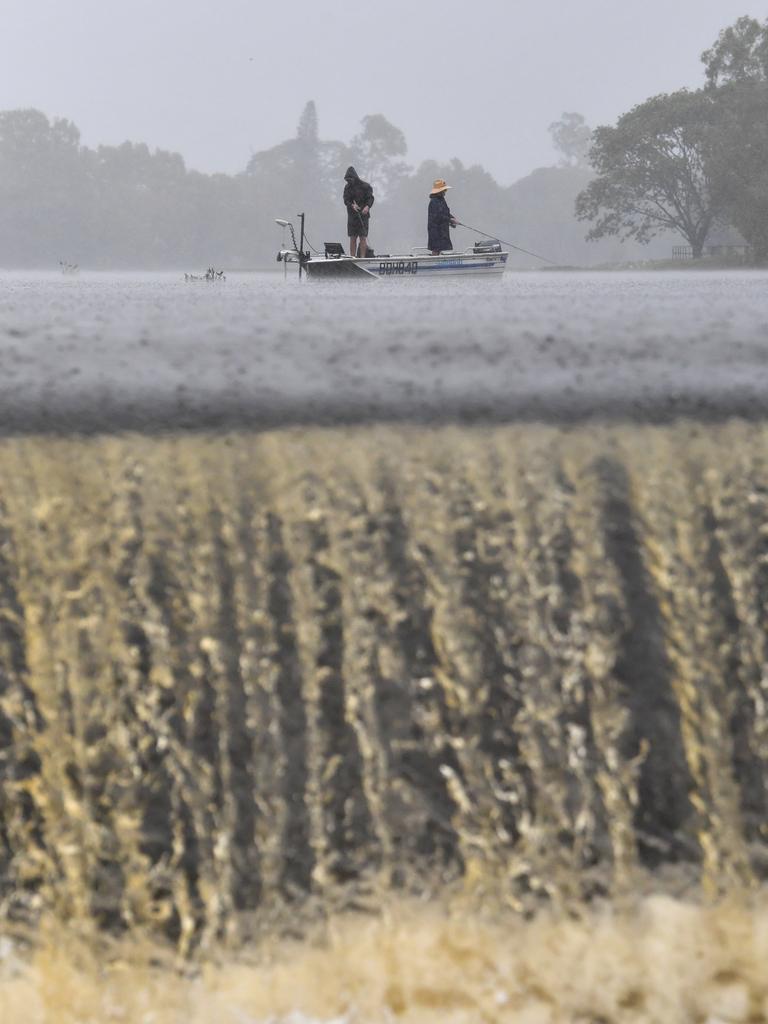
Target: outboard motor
x=491 y=245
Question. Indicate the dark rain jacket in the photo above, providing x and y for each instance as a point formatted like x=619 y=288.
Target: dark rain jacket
x=356 y=191
x=438 y=224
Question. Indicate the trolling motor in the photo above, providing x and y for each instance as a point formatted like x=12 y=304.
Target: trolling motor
x=297 y=254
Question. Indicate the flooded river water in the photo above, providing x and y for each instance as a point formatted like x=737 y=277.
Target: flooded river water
x=384 y=654
x=104 y=352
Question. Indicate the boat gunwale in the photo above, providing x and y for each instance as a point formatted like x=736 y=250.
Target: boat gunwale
x=427 y=256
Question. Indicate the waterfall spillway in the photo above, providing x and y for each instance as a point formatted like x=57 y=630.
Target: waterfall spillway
x=245 y=671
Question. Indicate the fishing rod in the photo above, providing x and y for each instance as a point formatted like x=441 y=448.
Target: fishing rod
x=505 y=242
x=363 y=226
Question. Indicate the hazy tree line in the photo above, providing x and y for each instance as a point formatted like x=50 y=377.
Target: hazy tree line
x=686 y=163
x=690 y=161
x=126 y=206
x=117 y=206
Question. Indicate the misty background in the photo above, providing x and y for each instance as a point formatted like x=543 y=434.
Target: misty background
x=144 y=136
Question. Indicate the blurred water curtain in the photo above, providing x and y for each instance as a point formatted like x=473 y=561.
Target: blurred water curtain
x=239 y=675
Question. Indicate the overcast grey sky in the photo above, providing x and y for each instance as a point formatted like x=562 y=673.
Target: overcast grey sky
x=479 y=79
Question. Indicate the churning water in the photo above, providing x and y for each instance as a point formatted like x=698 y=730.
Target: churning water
x=408 y=718
x=106 y=352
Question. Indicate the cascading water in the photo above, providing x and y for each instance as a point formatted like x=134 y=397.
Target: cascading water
x=251 y=684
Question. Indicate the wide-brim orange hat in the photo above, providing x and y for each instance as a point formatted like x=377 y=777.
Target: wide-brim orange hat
x=439 y=186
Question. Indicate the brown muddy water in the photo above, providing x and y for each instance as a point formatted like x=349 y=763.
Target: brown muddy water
x=384 y=722
x=491 y=692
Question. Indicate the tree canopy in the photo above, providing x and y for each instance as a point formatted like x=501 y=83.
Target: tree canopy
x=740 y=54
x=378 y=147
x=691 y=159
x=653 y=172
x=737 y=77
x=130 y=206
x=739 y=159
x=572 y=138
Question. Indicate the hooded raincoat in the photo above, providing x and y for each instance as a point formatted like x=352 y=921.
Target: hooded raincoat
x=357 y=191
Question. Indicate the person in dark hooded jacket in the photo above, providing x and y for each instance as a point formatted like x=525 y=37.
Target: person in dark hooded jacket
x=439 y=219
x=358 y=199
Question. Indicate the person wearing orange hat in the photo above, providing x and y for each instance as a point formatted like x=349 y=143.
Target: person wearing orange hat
x=439 y=219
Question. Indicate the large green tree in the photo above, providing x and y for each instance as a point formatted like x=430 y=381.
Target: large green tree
x=572 y=138
x=301 y=172
x=740 y=54
x=42 y=188
x=292 y=166
x=737 y=81
x=654 y=174
x=378 y=148
x=739 y=159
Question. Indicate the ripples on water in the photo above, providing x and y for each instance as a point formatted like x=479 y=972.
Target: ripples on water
x=386 y=722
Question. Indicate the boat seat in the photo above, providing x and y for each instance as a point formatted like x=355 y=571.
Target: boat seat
x=334 y=250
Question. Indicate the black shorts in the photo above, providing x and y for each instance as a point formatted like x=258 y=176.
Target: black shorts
x=357 y=224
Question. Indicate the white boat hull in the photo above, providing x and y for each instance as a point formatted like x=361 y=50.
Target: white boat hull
x=404 y=267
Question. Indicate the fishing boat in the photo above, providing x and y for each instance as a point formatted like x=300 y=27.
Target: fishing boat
x=483 y=259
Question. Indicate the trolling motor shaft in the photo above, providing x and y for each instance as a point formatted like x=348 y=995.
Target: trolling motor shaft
x=297 y=254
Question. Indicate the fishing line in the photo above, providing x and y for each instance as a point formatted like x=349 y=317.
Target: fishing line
x=512 y=245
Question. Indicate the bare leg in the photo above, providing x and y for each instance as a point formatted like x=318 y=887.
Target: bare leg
x=352 y=246
x=363 y=248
